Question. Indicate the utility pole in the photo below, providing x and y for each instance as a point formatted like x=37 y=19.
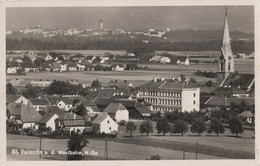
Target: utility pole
x=40 y=144
x=106 y=150
x=197 y=150
x=183 y=154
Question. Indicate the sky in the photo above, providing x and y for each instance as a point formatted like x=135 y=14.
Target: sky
x=240 y=18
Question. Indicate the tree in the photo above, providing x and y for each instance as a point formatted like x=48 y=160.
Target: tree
x=216 y=126
x=180 y=127
x=10 y=90
x=163 y=126
x=209 y=83
x=30 y=91
x=76 y=143
x=236 y=125
x=130 y=126
x=95 y=84
x=198 y=126
x=146 y=127
x=183 y=77
x=193 y=80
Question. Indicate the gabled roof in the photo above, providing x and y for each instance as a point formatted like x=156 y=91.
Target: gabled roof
x=119 y=65
x=224 y=101
x=11 y=98
x=71 y=119
x=100 y=118
x=114 y=107
x=39 y=101
x=246 y=114
x=239 y=80
x=29 y=114
x=103 y=101
x=54 y=110
x=105 y=92
x=70 y=116
x=14 y=109
x=47 y=117
x=78 y=56
x=67 y=101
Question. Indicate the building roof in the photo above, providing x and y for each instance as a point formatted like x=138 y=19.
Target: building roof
x=105 y=92
x=168 y=84
x=56 y=65
x=224 y=101
x=67 y=101
x=46 y=117
x=14 y=109
x=241 y=80
x=114 y=107
x=72 y=119
x=54 y=110
x=11 y=98
x=39 y=101
x=29 y=114
x=246 y=114
x=100 y=118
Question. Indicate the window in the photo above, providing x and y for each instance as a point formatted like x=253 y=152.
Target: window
x=108 y=121
x=109 y=128
x=194 y=102
x=59 y=104
x=194 y=94
x=229 y=66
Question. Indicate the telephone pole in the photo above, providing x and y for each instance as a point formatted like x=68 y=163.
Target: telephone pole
x=106 y=150
x=197 y=150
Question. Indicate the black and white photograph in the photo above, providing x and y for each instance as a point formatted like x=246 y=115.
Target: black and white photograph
x=130 y=83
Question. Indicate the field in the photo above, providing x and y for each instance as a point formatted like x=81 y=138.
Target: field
x=137 y=77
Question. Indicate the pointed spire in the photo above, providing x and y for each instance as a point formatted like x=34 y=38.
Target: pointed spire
x=226 y=46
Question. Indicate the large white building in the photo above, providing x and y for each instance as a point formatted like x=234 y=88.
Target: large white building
x=170 y=94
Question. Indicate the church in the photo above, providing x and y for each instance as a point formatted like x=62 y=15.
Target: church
x=232 y=86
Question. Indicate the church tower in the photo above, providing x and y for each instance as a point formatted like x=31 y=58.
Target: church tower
x=101 y=25
x=225 y=60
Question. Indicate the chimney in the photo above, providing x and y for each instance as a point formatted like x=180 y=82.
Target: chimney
x=154 y=79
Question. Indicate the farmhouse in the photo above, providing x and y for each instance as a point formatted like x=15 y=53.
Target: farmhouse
x=11 y=69
x=170 y=94
x=48 y=121
x=118 y=67
x=38 y=104
x=56 y=67
x=70 y=121
x=247 y=117
x=16 y=99
x=64 y=103
x=117 y=112
x=104 y=124
x=72 y=67
x=63 y=67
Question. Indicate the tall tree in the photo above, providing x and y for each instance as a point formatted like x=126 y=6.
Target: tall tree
x=198 y=126
x=180 y=127
x=130 y=126
x=10 y=90
x=76 y=143
x=236 y=125
x=146 y=127
x=95 y=84
x=163 y=126
x=216 y=126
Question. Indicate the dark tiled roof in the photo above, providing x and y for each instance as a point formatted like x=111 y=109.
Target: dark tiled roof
x=29 y=114
x=114 y=107
x=223 y=101
x=99 y=119
x=167 y=85
x=14 y=109
x=54 y=109
x=46 y=118
x=11 y=98
x=103 y=101
x=70 y=116
x=39 y=102
x=239 y=79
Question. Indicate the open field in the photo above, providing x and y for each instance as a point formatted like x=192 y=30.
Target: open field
x=140 y=76
x=117 y=150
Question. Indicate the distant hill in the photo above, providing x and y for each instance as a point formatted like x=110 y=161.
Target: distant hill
x=205 y=35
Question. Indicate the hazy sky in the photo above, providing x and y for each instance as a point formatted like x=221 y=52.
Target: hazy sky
x=240 y=18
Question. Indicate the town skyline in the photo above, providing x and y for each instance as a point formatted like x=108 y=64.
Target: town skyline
x=241 y=18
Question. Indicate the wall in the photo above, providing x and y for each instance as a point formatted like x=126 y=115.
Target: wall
x=188 y=99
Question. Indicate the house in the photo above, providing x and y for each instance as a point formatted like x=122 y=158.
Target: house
x=117 y=112
x=46 y=67
x=70 y=121
x=48 y=57
x=64 y=103
x=118 y=67
x=38 y=104
x=16 y=99
x=30 y=68
x=72 y=67
x=187 y=61
x=63 y=67
x=56 y=67
x=132 y=66
x=50 y=116
x=247 y=117
x=11 y=70
x=165 y=60
x=103 y=92
x=23 y=116
x=78 y=57
x=103 y=123
x=80 y=67
x=90 y=59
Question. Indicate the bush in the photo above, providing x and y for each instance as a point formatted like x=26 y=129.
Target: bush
x=12 y=131
x=156 y=157
x=121 y=123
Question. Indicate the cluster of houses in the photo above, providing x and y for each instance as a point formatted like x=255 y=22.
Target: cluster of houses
x=100 y=111
x=165 y=59
x=59 y=63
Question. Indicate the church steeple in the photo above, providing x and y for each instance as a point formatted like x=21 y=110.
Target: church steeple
x=225 y=60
